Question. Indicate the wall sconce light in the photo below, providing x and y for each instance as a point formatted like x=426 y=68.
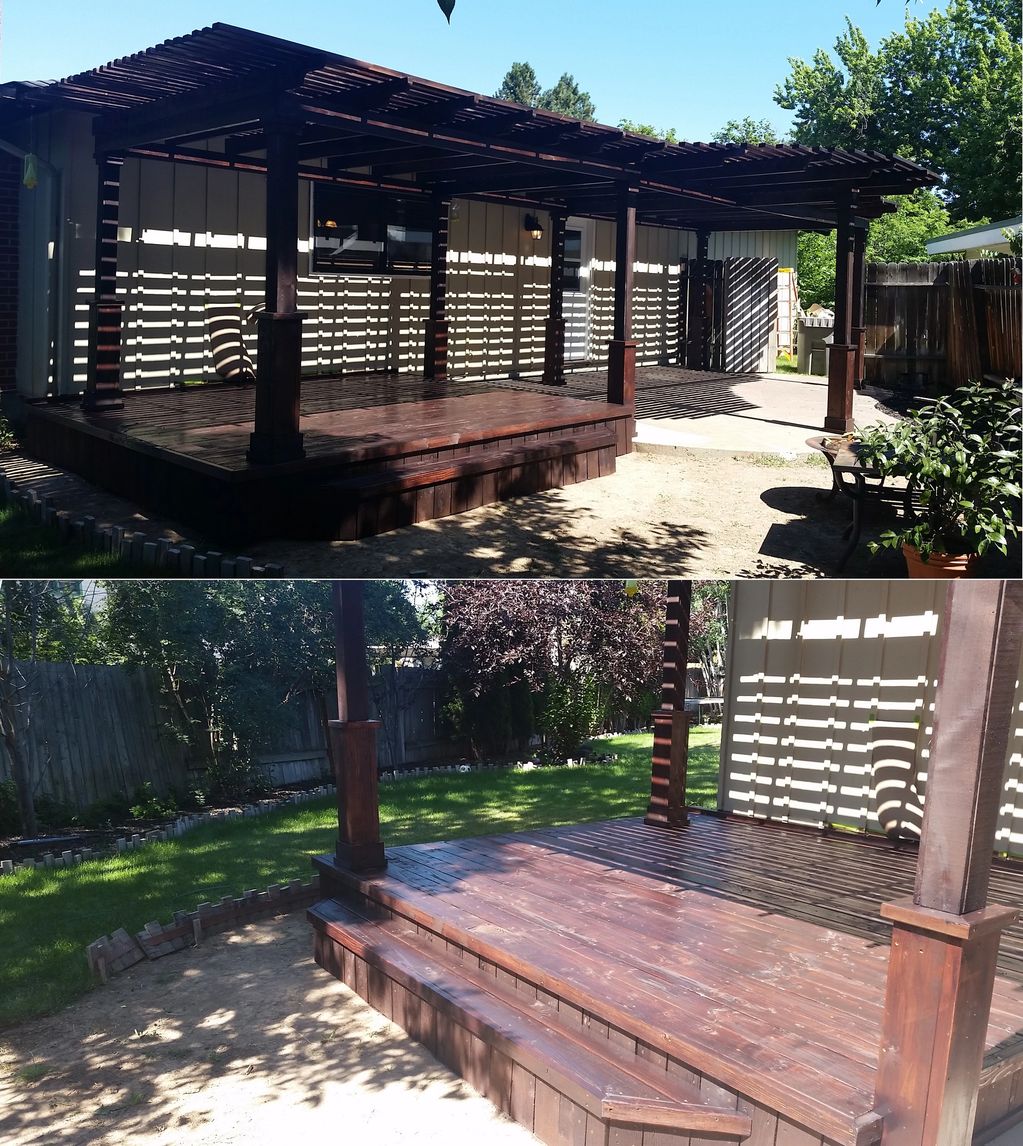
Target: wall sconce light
x=534 y=227
x=331 y=225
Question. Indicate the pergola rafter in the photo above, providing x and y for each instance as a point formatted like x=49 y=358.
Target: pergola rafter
x=265 y=104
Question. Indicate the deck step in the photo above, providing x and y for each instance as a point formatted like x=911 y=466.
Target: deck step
x=505 y=1044
x=381 y=499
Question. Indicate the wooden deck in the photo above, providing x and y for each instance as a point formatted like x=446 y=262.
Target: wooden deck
x=381 y=451
x=746 y=960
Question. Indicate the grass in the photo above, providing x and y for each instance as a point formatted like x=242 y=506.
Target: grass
x=785 y=364
x=48 y=917
x=33 y=550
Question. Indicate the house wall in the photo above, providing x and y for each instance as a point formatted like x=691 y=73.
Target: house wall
x=829 y=701
x=193 y=236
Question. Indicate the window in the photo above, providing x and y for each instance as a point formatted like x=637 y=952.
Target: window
x=358 y=232
x=573 y=260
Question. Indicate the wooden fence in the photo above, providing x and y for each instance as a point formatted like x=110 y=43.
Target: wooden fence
x=934 y=326
x=828 y=706
x=94 y=730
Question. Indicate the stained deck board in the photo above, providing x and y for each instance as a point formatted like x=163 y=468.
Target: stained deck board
x=754 y=954
x=343 y=420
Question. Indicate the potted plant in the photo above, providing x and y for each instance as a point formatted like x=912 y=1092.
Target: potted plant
x=961 y=457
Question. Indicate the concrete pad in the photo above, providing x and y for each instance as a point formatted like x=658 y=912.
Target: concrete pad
x=740 y=414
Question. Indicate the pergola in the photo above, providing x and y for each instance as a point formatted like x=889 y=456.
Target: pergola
x=928 y=1003
x=226 y=97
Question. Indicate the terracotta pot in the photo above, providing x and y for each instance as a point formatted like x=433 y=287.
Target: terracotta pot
x=939 y=566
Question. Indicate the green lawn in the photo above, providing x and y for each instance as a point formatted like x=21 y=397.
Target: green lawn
x=28 y=549
x=48 y=917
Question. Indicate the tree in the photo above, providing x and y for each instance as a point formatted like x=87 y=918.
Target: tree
x=747 y=130
x=585 y=649
x=567 y=98
x=669 y=135
x=520 y=85
x=944 y=91
x=708 y=631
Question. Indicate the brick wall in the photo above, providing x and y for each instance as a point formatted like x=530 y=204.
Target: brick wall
x=10 y=183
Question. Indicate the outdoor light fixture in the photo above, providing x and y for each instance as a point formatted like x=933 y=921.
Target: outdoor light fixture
x=331 y=225
x=534 y=227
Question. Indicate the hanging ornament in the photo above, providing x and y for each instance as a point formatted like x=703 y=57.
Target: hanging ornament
x=30 y=172
x=447 y=7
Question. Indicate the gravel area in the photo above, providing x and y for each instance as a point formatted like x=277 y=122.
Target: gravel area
x=243 y=1040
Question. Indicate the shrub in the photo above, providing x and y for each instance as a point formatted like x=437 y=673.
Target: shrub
x=10 y=817
x=105 y=813
x=236 y=778
x=148 y=805
x=53 y=812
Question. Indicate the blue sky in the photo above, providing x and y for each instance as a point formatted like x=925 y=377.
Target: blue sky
x=673 y=63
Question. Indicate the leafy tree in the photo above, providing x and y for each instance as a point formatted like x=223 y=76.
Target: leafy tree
x=584 y=648
x=567 y=98
x=945 y=91
x=708 y=631
x=669 y=135
x=747 y=130
x=521 y=86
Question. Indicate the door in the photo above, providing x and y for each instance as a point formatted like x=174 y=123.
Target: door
x=578 y=261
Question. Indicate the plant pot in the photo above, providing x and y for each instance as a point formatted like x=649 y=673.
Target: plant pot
x=939 y=566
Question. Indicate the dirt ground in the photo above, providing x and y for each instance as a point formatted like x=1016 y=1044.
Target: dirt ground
x=698 y=513
x=241 y=1040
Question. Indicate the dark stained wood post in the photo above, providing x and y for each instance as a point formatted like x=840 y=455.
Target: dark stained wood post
x=859 y=331
x=842 y=364
x=354 y=738
x=103 y=372
x=945 y=939
x=696 y=306
x=276 y=437
x=621 y=364
x=436 y=358
x=670 y=761
x=554 y=342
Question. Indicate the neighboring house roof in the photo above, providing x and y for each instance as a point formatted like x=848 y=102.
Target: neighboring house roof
x=456 y=142
x=986 y=237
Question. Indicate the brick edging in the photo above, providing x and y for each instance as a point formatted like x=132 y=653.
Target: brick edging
x=137 y=547
x=111 y=954
x=178 y=827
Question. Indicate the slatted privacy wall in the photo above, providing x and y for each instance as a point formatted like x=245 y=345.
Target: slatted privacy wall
x=829 y=702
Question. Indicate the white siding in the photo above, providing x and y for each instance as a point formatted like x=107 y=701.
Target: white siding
x=829 y=701
x=193 y=236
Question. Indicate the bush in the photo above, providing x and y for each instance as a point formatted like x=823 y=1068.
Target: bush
x=53 y=812
x=10 y=817
x=148 y=805
x=105 y=813
x=236 y=778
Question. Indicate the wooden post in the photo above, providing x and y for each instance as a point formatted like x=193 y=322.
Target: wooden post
x=103 y=371
x=670 y=761
x=621 y=365
x=859 y=331
x=354 y=738
x=842 y=365
x=945 y=938
x=436 y=358
x=554 y=342
x=276 y=437
x=696 y=306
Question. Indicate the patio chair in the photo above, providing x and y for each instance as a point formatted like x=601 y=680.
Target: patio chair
x=230 y=358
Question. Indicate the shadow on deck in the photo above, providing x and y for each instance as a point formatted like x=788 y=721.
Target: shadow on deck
x=731 y=974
